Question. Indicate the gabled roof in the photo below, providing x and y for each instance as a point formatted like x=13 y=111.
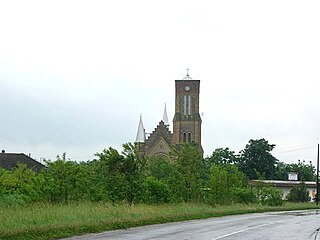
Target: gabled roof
x=9 y=161
x=160 y=132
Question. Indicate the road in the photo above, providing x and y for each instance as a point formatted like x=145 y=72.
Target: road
x=300 y=225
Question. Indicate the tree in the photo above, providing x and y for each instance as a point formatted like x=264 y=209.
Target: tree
x=189 y=171
x=306 y=172
x=221 y=156
x=157 y=191
x=298 y=193
x=64 y=180
x=159 y=167
x=224 y=181
x=17 y=181
x=123 y=174
x=257 y=158
x=271 y=196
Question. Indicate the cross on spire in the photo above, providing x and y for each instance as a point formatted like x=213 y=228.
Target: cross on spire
x=187 y=77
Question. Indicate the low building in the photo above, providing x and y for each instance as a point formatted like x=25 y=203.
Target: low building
x=10 y=161
x=286 y=186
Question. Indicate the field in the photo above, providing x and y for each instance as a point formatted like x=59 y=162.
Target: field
x=47 y=221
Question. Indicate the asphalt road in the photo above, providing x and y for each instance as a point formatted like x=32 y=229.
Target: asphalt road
x=301 y=225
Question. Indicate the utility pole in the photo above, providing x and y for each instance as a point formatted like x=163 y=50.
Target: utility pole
x=317 y=196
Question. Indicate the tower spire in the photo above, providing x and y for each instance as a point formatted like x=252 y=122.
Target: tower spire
x=165 y=116
x=141 y=135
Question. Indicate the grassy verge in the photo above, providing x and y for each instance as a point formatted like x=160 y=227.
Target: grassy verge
x=46 y=221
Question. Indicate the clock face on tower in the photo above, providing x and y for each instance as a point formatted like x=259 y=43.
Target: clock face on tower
x=187 y=88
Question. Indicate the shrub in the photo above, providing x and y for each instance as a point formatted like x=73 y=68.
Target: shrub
x=244 y=195
x=223 y=180
x=271 y=196
x=157 y=191
x=299 y=194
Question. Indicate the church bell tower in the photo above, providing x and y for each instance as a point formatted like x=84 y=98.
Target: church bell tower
x=187 y=120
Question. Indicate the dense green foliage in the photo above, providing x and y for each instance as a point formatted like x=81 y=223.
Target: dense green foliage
x=112 y=190
x=225 y=181
x=271 y=196
x=221 y=156
x=299 y=193
x=306 y=172
x=183 y=176
x=257 y=159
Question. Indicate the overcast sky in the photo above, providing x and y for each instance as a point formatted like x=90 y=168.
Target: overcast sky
x=75 y=75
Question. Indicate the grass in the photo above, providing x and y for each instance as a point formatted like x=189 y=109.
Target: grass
x=47 y=221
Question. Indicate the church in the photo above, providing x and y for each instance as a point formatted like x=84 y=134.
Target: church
x=186 y=122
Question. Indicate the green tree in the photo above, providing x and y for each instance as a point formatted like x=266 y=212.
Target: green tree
x=123 y=174
x=221 y=156
x=257 y=158
x=64 y=180
x=188 y=172
x=298 y=193
x=19 y=185
x=224 y=181
x=271 y=196
x=157 y=191
x=17 y=181
x=306 y=172
x=159 y=167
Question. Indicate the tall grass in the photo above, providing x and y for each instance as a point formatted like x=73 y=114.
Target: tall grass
x=47 y=221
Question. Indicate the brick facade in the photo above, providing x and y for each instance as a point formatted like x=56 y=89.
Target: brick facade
x=186 y=122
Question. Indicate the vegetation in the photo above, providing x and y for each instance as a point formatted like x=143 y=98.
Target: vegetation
x=271 y=196
x=298 y=194
x=225 y=182
x=49 y=221
x=306 y=172
x=256 y=159
x=128 y=190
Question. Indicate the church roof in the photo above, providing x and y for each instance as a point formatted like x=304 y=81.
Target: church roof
x=141 y=135
x=161 y=131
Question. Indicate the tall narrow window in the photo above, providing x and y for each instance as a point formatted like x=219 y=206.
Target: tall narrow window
x=184 y=137
x=189 y=137
x=189 y=105
x=184 y=105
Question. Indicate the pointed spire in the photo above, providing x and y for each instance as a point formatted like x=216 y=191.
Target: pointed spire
x=141 y=135
x=165 y=116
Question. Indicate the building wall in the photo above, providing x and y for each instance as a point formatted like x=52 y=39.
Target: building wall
x=286 y=191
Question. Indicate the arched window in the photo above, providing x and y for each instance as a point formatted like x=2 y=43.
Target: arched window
x=189 y=137
x=189 y=105
x=184 y=105
x=184 y=137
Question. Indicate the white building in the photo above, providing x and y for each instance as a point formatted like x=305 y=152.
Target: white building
x=286 y=186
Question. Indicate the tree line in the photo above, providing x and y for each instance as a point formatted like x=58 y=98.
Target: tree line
x=183 y=176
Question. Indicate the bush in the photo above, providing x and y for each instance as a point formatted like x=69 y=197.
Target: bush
x=298 y=194
x=244 y=195
x=223 y=180
x=271 y=196
x=157 y=191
